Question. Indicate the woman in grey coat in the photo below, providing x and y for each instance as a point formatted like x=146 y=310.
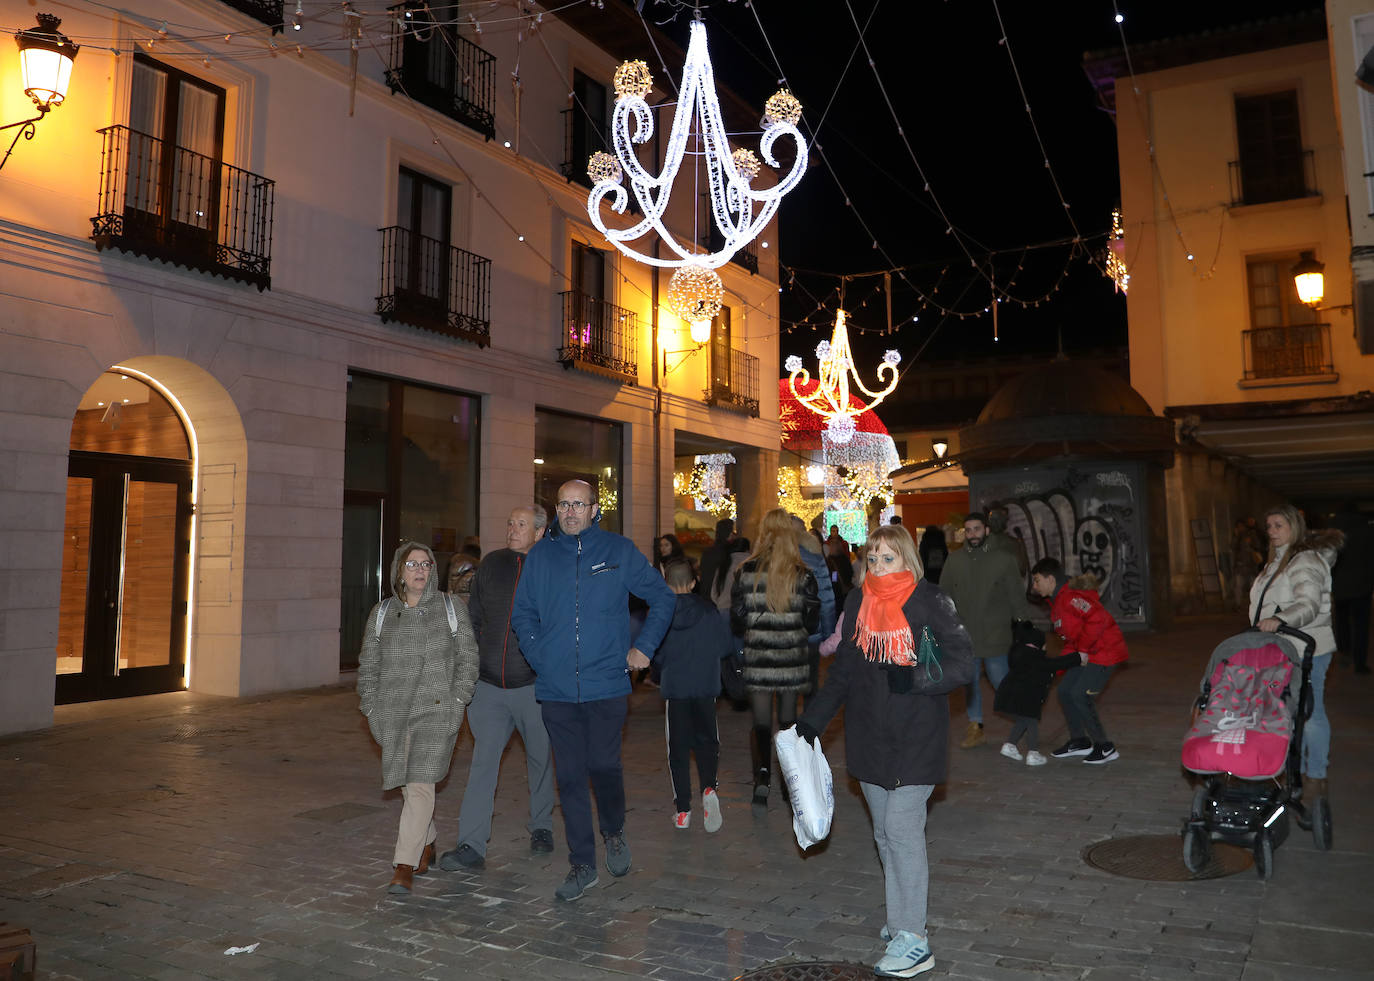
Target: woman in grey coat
x=417 y=669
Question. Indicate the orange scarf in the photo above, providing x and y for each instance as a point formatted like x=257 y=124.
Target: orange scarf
x=882 y=631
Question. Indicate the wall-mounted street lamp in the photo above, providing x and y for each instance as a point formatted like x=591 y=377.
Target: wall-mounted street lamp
x=941 y=446
x=45 y=66
x=1310 y=279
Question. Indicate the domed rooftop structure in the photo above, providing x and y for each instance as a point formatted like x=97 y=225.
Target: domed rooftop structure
x=1065 y=409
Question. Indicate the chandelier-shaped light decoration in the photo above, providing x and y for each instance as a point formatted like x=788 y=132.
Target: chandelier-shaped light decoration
x=740 y=211
x=831 y=399
x=707 y=484
x=1115 y=262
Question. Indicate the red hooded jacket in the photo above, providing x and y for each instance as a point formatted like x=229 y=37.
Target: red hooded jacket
x=1079 y=617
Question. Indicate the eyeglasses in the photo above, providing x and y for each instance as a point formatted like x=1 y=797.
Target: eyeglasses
x=424 y=564
x=576 y=507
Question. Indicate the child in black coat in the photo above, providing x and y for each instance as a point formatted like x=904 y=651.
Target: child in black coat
x=687 y=667
x=1023 y=691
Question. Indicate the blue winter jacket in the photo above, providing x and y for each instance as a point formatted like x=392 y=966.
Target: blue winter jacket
x=571 y=613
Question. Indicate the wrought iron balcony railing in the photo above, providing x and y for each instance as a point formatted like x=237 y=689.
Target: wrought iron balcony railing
x=734 y=380
x=1280 y=177
x=1285 y=352
x=167 y=202
x=267 y=11
x=438 y=68
x=599 y=337
x=434 y=286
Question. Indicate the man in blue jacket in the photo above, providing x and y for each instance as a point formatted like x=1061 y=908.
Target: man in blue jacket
x=572 y=617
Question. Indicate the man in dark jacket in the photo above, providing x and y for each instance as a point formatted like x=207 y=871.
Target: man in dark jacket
x=504 y=701
x=718 y=552
x=1352 y=583
x=572 y=618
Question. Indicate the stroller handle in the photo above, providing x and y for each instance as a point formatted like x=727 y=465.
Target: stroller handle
x=1307 y=640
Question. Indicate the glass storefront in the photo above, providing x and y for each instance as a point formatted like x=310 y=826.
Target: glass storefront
x=410 y=473
x=569 y=447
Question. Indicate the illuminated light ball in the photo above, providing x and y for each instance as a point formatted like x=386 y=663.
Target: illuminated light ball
x=792 y=365
x=695 y=293
x=782 y=107
x=823 y=350
x=841 y=428
x=892 y=356
x=815 y=474
x=603 y=167
x=746 y=163
x=633 y=79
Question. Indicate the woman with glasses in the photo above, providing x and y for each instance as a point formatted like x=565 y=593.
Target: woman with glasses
x=775 y=606
x=896 y=724
x=417 y=669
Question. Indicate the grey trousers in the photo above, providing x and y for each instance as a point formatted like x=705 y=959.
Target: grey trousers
x=899 y=829
x=493 y=715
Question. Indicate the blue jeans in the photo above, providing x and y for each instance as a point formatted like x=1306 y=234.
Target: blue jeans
x=585 y=738
x=996 y=668
x=899 y=830
x=1316 y=732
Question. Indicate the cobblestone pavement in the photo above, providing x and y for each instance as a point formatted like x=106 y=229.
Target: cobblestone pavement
x=144 y=838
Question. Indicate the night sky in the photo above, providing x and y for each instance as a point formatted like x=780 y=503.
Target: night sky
x=954 y=91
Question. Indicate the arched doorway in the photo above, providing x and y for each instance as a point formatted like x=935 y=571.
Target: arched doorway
x=127 y=544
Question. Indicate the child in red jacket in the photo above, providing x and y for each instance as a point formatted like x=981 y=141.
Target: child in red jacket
x=1077 y=615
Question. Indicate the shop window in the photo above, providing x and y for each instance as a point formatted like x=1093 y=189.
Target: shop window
x=569 y=447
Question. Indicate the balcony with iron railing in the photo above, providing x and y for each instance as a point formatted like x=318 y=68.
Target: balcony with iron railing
x=438 y=68
x=267 y=11
x=599 y=337
x=435 y=286
x=1292 y=352
x=169 y=203
x=734 y=381
x=1275 y=177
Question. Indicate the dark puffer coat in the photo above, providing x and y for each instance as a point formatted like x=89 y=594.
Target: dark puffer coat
x=775 y=654
x=1027 y=684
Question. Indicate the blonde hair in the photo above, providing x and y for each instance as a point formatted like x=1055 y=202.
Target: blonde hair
x=777 y=561
x=899 y=540
x=1296 y=523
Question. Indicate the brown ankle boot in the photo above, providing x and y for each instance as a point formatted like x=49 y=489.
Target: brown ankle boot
x=401 y=882
x=426 y=859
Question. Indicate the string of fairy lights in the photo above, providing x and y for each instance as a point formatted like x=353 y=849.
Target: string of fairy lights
x=305 y=28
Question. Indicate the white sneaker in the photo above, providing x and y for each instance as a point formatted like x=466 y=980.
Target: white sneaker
x=710 y=803
x=1010 y=751
x=1035 y=758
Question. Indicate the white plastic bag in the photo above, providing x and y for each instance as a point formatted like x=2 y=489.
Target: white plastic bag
x=810 y=785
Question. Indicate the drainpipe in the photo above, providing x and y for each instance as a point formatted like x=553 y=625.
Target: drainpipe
x=653 y=351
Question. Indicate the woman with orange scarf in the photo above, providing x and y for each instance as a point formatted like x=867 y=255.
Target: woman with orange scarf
x=896 y=724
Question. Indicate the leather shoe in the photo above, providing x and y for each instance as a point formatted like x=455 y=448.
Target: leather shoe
x=401 y=881
x=426 y=859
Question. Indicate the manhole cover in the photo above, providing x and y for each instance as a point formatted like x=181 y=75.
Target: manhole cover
x=1160 y=858
x=120 y=798
x=820 y=971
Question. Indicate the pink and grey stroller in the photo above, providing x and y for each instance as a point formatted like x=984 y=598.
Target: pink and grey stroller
x=1246 y=743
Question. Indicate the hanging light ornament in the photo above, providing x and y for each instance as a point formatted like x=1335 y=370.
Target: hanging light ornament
x=1116 y=265
x=831 y=399
x=746 y=162
x=695 y=294
x=603 y=167
x=740 y=211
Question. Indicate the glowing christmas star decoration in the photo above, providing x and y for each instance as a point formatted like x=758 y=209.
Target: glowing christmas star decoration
x=740 y=211
x=831 y=399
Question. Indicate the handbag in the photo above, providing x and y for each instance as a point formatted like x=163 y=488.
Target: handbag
x=928 y=656
x=732 y=677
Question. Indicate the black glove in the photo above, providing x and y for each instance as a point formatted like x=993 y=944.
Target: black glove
x=900 y=680
x=1023 y=632
x=805 y=731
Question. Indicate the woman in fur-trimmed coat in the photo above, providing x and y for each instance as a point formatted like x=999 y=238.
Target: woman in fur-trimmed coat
x=1294 y=589
x=416 y=672
x=774 y=605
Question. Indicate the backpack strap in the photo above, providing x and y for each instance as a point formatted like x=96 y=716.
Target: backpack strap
x=452 y=615
x=381 y=614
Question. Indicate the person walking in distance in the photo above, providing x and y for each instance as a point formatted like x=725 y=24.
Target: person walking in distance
x=989 y=593
x=504 y=701
x=572 y=619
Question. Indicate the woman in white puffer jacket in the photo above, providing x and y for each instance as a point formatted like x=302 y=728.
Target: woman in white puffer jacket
x=1294 y=589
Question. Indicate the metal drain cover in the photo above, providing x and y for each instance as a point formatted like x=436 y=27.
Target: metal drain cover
x=1159 y=858
x=811 y=971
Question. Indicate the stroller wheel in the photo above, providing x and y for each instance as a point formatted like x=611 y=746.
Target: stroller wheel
x=1264 y=855
x=1197 y=849
x=1200 y=799
x=1321 y=823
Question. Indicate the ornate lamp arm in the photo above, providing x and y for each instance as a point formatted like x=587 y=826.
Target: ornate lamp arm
x=27 y=131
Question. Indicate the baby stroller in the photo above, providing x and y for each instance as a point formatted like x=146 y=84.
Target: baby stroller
x=1246 y=743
